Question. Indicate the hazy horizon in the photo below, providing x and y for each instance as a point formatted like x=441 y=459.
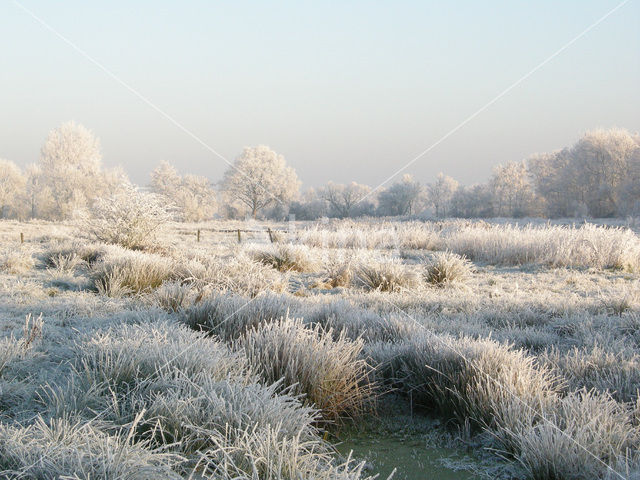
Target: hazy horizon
x=344 y=92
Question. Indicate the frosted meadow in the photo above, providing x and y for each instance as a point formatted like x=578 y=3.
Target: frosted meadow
x=180 y=301
x=514 y=348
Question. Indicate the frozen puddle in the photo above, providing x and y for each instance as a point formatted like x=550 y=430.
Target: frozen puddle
x=411 y=456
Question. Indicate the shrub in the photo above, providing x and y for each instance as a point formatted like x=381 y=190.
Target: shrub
x=330 y=373
x=129 y=218
x=445 y=268
x=386 y=276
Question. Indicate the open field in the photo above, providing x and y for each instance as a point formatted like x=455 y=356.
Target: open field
x=516 y=345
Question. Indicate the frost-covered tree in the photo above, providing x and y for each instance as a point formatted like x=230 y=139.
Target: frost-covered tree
x=440 y=193
x=258 y=178
x=71 y=165
x=511 y=190
x=595 y=176
x=601 y=163
x=192 y=195
x=400 y=198
x=474 y=201
x=347 y=200
x=310 y=207
x=12 y=183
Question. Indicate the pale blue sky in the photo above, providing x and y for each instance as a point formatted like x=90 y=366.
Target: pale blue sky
x=348 y=90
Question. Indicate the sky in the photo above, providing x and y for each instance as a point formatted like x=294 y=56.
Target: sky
x=346 y=91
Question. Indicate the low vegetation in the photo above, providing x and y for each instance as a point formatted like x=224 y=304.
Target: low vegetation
x=223 y=360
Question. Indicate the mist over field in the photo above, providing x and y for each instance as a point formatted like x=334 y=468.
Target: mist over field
x=347 y=241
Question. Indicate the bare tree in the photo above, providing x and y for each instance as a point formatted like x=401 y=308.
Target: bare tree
x=260 y=177
x=345 y=200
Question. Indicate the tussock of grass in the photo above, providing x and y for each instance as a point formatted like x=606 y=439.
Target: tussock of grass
x=189 y=394
x=237 y=274
x=445 y=268
x=10 y=350
x=63 y=449
x=465 y=378
x=229 y=316
x=386 y=276
x=585 y=433
x=131 y=273
x=596 y=368
x=17 y=261
x=330 y=373
x=287 y=258
x=127 y=354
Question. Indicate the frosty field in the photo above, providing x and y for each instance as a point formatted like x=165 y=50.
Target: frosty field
x=460 y=348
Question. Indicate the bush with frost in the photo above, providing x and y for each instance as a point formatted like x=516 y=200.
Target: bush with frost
x=129 y=218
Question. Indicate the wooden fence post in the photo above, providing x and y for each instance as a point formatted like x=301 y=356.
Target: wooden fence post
x=21 y=237
x=270 y=234
x=239 y=237
x=198 y=236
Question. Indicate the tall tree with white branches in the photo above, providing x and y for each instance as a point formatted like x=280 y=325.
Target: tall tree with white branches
x=259 y=178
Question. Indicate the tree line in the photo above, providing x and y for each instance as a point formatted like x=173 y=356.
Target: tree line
x=598 y=176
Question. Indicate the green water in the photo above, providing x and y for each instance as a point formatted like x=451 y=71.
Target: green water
x=413 y=458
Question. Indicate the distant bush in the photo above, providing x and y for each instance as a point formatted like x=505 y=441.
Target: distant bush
x=330 y=373
x=445 y=268
x=129 y=218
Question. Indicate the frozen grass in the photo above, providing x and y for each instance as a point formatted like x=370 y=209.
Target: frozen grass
x=329 y=372
x=17 y=261
x=587 y=435
x=238 y=273
x=125 y=272
x=556 y=246
x=386 y=276
x=63 y=449
x=229 y=316
x=224 y=394
x=287 y=258
x=445 y=268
